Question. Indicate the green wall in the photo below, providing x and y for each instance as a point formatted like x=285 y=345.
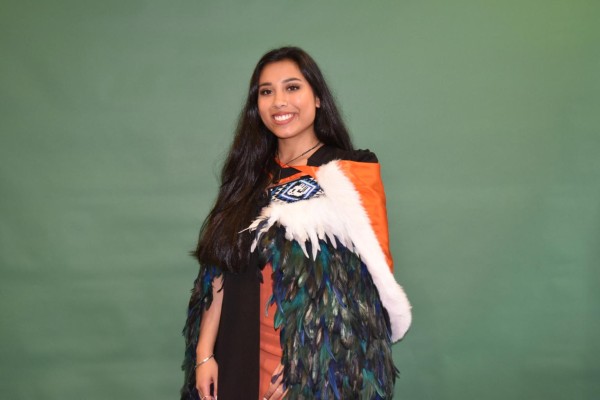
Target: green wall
x=114 y=118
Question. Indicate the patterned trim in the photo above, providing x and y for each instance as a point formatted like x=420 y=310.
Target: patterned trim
x=304 y=188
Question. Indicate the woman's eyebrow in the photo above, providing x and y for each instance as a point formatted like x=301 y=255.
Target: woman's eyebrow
x=284 y=81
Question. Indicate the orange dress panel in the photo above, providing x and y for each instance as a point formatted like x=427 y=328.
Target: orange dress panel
x=270 y=348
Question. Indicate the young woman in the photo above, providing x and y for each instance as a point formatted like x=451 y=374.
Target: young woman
x=295 y=296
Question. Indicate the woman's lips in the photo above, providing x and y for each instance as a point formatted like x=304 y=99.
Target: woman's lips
x=283 y=118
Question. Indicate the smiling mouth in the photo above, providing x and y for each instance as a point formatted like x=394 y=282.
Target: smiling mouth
x=282 y=118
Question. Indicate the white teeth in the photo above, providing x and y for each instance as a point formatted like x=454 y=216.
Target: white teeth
x=282 y=117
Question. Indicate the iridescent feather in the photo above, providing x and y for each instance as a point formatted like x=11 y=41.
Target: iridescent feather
x=334 y=332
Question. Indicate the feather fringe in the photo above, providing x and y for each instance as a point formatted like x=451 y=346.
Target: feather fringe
x=334 y=331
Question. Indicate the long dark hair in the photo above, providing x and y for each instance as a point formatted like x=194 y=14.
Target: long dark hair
x=250 y=163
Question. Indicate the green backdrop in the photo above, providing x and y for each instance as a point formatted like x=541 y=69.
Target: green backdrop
x=114 y=119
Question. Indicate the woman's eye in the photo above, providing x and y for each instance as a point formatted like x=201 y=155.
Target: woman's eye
x=265 y=92
x=293 y=88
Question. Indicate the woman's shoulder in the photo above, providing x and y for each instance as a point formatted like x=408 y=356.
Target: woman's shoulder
x=327 y=153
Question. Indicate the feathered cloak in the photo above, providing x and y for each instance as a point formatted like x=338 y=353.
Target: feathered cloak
x=339 y=307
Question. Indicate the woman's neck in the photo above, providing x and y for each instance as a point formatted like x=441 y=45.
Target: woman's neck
x=296 y=153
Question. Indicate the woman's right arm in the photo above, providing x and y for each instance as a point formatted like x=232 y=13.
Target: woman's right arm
x=207 y=373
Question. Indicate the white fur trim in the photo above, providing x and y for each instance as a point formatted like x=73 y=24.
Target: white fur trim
x=339 y=213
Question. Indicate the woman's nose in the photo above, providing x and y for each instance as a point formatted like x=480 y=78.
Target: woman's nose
x=280 y=99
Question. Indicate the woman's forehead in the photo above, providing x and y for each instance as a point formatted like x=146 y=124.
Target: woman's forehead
x=280 y=71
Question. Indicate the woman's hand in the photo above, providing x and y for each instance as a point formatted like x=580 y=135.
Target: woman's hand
x=276 y=390
x=208 y=370
x=206 y=374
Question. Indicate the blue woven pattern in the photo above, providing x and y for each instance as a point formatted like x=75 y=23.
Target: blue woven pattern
x=302 y=188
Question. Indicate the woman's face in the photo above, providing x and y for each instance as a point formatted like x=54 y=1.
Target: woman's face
x=286 y=102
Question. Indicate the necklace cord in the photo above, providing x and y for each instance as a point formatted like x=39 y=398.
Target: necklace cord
x=295 y=158
x=287 y=164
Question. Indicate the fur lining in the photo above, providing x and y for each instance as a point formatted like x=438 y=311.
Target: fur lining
x=339 y=214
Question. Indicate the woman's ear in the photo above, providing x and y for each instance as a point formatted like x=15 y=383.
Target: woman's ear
x=318 y=102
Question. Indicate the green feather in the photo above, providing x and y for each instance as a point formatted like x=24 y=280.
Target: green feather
x=334 y=333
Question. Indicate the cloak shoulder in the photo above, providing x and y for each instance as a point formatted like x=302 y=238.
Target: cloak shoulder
x=350 y=209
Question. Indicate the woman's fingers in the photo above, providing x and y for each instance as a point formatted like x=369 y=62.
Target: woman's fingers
x=278 y=394
x=282 y=394
x=203 y=390
x=206 y=375
x=276 y=389
x=203 y=386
